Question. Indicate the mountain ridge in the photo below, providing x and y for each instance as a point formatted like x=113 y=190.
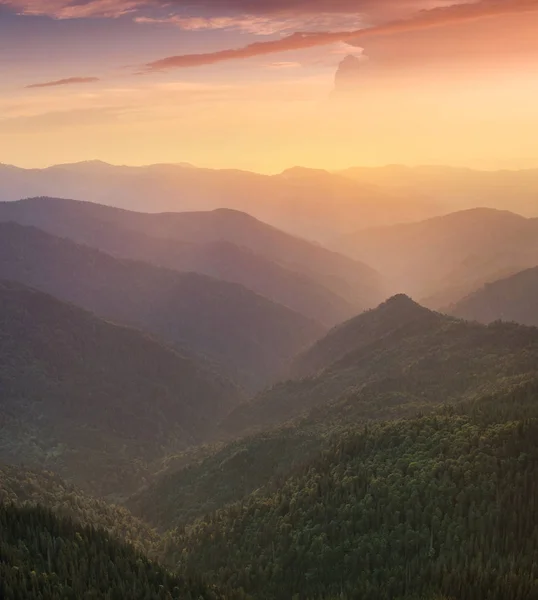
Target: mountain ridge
x=514 y=298
x=337 y=285
x=389 y=362
x=250 y=337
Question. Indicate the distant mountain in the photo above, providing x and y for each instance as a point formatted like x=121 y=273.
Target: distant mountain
x=92 y=400
x=398 y=313
x=314 y=206
x=512 y=299
x=441 y=260
x=352 y=280
x=393 y=361
x=227 y=245
x=456 y=188
x=251 y=337
x=47 y=556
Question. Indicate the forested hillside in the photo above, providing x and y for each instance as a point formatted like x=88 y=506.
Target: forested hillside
x=234 y=368
x=46 y=556
x=394 y=361
x=224 y=475
x=20 y=486
x=93 y=400
x=444 y=504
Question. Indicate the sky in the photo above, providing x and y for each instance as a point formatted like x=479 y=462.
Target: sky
x=252 y=84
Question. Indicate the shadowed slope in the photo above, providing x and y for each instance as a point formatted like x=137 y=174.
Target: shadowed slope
x=92 y=400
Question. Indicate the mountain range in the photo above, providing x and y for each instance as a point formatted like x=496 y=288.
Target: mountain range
x=225 y=244
x=202 y=406
x=456 y=188
x=249 y=337
x=312 y=203
x=441 y=260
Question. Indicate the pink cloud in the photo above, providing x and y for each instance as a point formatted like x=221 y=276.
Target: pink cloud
x=72 y=9
x=207 y=13
x=278 y=66
x=424 y=19
x=261 y=24
x=60 y=82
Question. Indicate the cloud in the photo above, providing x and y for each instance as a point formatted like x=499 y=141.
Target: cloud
x=302 y=7
x=74 y=9
x=60 y=119
x=424 y=19
x=278 y=66
x=207 y=13
x=60 y=82
x=349 y=74
x=260 y=24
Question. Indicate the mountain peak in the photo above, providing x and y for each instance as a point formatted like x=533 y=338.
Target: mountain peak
x=400 y=300
x=398 y=310
x=302 y=172
x=86 y=165
x=398 y=313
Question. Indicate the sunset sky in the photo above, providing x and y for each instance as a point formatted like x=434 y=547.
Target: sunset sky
x=251 y=83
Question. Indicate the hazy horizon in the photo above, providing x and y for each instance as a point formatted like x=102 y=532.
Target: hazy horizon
x=524 y=164
x=241 y=85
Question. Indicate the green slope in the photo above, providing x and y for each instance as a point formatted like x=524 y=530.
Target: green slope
x=43 y=556
x=394 y=361
x=443 y=504
x=26 y=487
x=224 y=475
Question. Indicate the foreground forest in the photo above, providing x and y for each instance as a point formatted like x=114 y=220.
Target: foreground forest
x=437 y=505
x=166 y=434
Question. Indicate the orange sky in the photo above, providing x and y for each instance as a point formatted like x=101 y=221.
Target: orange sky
x=453 y=85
